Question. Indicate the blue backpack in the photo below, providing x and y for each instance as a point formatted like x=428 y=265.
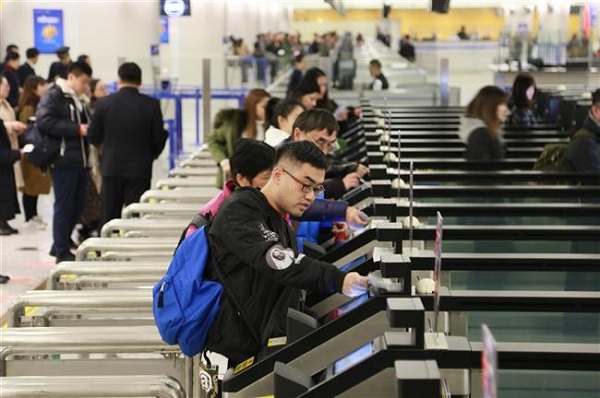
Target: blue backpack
x=184 y=304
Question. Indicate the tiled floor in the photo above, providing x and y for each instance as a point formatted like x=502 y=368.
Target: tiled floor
x=24 y=257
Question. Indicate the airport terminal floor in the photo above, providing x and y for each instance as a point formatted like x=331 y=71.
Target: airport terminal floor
x=25 y=256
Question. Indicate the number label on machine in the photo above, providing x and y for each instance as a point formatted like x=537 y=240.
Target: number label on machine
x=489 y=363
x=247 y=363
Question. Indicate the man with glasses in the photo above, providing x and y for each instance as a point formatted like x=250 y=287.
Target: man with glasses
x=255 y=248
x=320 y=127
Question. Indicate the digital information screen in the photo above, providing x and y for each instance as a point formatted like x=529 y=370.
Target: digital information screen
x=347 y=307
x=353 y=358
x=347 y=267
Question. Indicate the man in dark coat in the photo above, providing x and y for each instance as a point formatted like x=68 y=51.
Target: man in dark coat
x=11 y=48
x=407 y=49
x=28 y=67
x=60 y=68
x=129 y=127
x=63 y=116
x=11 y=64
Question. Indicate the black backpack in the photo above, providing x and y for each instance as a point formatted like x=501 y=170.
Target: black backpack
x=46 y=150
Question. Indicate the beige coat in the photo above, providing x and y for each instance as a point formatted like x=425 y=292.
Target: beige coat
x=7 y=114
x=36 y=181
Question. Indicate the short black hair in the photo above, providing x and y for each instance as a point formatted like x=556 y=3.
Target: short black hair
x=251 y=157
x=282 y=108
x=83 y=58
x=375 y=63
x=79 y=68
x=302 y=152
x=32 y=52
x=12 y=48
x=11 y=56
x=596 y=97
x=316 y=119
x=130 y=72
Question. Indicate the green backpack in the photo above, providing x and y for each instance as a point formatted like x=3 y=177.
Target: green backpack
x=554 y=156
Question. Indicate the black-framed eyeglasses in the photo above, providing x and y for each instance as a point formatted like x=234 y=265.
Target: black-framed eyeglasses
x=322 y=143
x=306 y=188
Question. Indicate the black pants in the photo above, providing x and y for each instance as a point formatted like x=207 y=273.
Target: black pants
x=118 y=192
x=70 y=188
x=30 y=206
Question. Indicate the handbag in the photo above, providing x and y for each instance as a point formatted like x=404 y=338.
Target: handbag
x=46 y=150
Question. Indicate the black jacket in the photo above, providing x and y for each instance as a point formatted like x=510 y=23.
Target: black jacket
x=129 y=126
x=58 y=117
x=8 y=193
x=24 y=72
x=481 y=145
x=256 y=250
x=338 y=168
x=584 y=152
x=57 y=69
x=13 y=82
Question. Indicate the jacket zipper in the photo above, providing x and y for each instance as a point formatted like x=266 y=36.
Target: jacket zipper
x=74 y=109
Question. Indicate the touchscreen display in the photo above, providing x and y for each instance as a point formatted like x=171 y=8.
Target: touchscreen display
x=358 y=231
x=352 y=233
x=353 y=358
x=347 y=267
x=345 y=308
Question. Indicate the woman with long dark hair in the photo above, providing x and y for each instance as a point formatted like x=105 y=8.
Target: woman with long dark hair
x=281 y=115
x=481 y=126
x=36 y=182
x=522 y=101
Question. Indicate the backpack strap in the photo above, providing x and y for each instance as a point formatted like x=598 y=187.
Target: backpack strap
x=198 y=221
x=238 y=307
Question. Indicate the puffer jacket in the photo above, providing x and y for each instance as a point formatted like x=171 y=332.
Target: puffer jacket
x=59 y=115
x=584 y=151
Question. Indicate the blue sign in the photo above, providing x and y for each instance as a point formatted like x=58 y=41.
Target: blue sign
x=154 y=50
x=164 y=30
x=48 y=30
